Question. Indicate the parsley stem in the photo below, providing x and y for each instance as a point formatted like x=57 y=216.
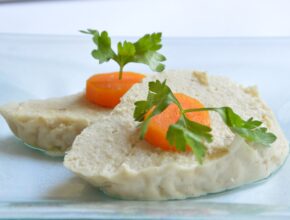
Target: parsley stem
x=121 y=72
x=198 y=110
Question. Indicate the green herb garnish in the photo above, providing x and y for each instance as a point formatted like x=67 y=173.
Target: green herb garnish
x=143 y=51
x=189 y=133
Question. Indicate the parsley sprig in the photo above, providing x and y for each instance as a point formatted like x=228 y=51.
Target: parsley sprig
x=189 y=133
x=143 y=50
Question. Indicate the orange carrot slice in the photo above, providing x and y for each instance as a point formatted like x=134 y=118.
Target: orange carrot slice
x=107 y=89
x=159 y=124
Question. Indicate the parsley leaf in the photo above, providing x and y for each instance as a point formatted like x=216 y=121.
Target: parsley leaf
x=104 y=52
x=157 y=92
x=250 y=130
x=143 y=50
x=146 y=48
x=189 y=133
x=159 y=97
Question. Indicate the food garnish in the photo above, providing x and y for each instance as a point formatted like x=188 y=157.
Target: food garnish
x=187 y=133
x=159 y=124
x=143 y=51
x=107 y=89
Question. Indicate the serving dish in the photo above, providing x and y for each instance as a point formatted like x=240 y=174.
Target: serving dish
x=34 y=185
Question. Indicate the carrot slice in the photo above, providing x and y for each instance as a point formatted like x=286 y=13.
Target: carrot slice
x=159 y=124
x=107 y=89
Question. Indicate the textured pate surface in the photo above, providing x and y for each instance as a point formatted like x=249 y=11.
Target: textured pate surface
x=110 y=155
x=51 y=124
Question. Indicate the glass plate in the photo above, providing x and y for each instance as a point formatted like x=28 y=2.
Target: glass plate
x=36 y=186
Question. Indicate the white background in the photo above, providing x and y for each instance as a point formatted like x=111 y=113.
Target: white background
x=136 y=17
